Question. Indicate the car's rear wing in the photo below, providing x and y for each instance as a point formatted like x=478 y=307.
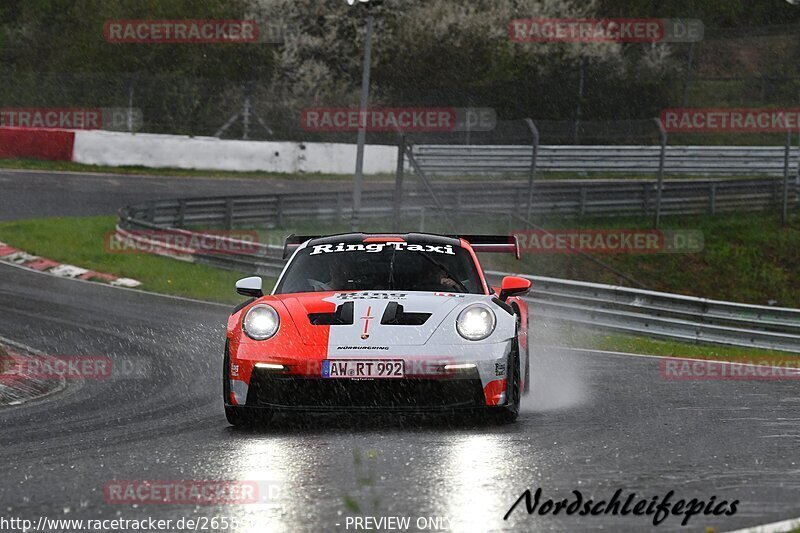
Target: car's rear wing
x=501 y=244
x=506 y=244
x=293 y=242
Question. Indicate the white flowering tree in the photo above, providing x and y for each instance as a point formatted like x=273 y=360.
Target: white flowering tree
x=433 y=45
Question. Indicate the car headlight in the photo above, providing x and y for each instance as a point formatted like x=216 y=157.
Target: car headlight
x=261 y=322
x=476 y=322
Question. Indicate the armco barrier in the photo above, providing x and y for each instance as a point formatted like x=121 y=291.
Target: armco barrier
x=605 y=307
x=664 y=315
x=693 y=160
x=577 y=197
x=25 y=143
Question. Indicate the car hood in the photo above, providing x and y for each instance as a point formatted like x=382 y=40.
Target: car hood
x=417 y=315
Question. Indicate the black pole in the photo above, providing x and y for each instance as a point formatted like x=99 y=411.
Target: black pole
x=660 y=176
x=785 y=206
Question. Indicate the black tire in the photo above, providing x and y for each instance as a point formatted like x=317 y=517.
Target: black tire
x=239 y=416
x=247 y=416
x=509 y=412
x=527 y=356
x=527 y=388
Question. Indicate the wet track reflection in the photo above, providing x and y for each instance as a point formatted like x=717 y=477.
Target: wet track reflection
x=595 y=423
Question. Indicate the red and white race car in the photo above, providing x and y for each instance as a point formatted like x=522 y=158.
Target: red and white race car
x=367 y=322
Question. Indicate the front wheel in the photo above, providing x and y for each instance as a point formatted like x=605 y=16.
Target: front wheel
x=237 y=415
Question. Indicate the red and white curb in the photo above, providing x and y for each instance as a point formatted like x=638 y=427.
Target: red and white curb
x=11 y=255
x=18 y=388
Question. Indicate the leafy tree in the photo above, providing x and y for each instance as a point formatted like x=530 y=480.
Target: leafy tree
x=713 y=13
x=440 y=52
x=66 y=36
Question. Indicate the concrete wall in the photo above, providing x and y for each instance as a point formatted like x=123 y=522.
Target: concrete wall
x=173 y=151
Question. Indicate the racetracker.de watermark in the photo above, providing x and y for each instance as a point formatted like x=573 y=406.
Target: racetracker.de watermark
x=732 y=120
x=166 y=242
x=609 y=241
x=191 y=492
x=79 y=367
x=616 y=30
x=100 y=118
x=190 y=31
x=675 y=369
x=400 y=119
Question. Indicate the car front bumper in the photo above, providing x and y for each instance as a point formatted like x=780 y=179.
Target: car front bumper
x=426 y=385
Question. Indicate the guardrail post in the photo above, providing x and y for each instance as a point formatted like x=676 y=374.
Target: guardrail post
x=534 y=157
x=712 y=199
x=583 y=201
x=646 y=198
x=131 y=89
x=775 y=193
x=785 y=200
x=181 y=213
x=279 y=211
x=228 y=213
x=398 y=183
x=660 y=176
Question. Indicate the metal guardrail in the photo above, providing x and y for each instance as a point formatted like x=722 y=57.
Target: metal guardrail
x=626 y=310
x=253 y=257
x=664 y=315
x=455 y=159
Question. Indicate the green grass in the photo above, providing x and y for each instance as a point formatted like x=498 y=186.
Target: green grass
x=747 y=258
x=81 y=242
x=577 y=337
x=735 y=246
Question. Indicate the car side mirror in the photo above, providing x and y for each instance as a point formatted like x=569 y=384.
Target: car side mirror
x=514 y=286
x=250 y=287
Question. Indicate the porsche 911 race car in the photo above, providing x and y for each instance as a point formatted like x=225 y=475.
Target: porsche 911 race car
x=370 y=323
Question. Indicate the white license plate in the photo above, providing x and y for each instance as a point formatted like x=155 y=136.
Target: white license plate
x=362 y=369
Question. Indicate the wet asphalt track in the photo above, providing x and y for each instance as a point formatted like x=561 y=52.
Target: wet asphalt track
x=595 y=423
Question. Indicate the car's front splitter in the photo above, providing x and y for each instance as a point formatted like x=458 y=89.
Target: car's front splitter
x=427 y=383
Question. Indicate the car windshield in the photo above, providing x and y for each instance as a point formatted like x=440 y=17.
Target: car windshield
x=381 y=266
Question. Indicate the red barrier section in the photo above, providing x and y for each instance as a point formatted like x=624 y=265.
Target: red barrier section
x=24 y=143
